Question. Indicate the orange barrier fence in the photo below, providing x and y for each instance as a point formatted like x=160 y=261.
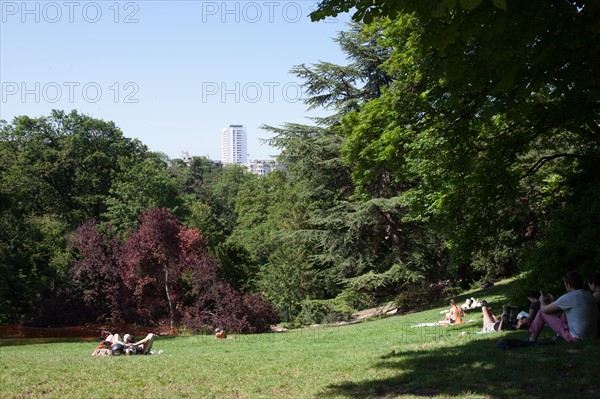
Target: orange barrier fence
x=87 y=331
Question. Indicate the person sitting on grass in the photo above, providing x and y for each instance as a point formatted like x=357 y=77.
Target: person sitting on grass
x=594 y=284
x=454 y=315
x=579 y=318
x=534 y=307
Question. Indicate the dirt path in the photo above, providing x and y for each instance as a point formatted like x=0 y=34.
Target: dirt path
x=387 y=309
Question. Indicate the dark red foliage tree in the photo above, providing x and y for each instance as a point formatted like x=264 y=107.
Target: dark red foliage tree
x=196 y=259
x=167 y=273
x=98 y=274
x=216 y=303
x=152 y=267
x=224 y=307
x=261 y=314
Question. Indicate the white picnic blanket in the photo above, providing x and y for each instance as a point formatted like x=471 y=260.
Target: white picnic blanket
x=437 y=323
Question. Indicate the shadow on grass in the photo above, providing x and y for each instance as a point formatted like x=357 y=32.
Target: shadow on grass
x=478 y=368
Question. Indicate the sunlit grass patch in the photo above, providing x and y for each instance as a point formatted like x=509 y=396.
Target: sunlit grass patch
x=384 y=358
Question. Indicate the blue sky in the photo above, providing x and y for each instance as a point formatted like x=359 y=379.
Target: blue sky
x=170 y=73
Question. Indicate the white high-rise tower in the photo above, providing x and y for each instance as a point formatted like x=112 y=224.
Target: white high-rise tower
x=234 y=148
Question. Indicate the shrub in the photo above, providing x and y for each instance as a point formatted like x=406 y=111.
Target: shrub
x=414 y=297
x=324 y=311
x=223 y=307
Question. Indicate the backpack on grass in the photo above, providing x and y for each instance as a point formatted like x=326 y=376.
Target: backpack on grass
x=509 y=343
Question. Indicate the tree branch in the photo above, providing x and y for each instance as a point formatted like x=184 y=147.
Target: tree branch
x=542 y=161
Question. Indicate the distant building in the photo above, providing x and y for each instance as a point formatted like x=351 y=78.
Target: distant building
x=262 y=167
x=185 y=157
x=234 y=145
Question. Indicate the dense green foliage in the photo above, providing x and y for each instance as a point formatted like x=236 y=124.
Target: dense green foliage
x=56 y=173
x=73 y=250
x=462 y=144
x=488 y=131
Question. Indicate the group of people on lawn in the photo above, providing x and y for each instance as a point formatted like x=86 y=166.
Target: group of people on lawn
x=580 y=318
x=113 y=344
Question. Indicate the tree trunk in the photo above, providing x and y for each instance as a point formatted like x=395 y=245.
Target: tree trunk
x=168 y=295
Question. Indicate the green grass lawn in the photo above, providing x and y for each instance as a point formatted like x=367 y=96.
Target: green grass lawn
x=383 y=358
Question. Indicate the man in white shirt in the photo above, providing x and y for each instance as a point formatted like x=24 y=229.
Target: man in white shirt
x=578 y=320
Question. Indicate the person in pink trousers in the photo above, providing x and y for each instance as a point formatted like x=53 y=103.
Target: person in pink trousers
x=578 y=320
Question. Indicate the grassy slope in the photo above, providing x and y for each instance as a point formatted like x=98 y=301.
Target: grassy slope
x=380 y=358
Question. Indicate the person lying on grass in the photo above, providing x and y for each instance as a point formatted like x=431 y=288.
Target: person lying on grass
x=103 y=349
x=127 y=346
x=491 y=322
x=220 y=334
x=471 y=303
x=579 y=318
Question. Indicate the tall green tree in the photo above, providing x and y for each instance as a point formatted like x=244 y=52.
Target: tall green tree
x=55 y=173
x=349 y=237
x=200 y=178
x=368 y=10
x=197 y=180
x=63 y=164
x=140 y=186
x=225 y=191
x=342 y=88
x=491 y=122
x=202 y=216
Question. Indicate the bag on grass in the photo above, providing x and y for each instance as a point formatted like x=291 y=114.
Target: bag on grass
x=509 y=343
